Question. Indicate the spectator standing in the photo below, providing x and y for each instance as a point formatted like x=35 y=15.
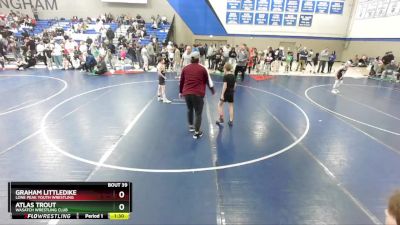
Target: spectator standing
x=331 y=61
x=241 y=62
x=110 y=35
x=194 y=79
x=152 y=55
x=177 y=62
x=323 y=59
x=186 y=57
x=302 y=59
x=145 y=57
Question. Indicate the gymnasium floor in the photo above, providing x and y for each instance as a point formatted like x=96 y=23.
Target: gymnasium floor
x=296 y=154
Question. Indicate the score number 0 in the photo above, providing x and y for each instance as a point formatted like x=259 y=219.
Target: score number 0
x=121 y=206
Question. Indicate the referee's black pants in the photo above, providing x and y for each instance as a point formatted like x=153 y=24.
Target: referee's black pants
x=242 y=70
x=195 y=105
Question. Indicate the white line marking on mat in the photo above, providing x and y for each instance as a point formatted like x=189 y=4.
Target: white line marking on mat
x=341 y=115
x=40 y=101
x=108 y=153
x=278 y=152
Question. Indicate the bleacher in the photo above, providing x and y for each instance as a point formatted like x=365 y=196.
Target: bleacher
x=41 y=25
x=161 y=33
x=89 y=32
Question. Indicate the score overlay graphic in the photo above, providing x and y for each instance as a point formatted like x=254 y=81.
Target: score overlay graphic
x=70 y=200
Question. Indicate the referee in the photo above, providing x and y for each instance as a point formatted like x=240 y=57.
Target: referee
x=194 y=79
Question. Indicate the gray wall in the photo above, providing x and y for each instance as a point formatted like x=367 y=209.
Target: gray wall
x=371 y=49
x=92 y=8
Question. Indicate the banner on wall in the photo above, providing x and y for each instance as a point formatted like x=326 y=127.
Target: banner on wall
x=263 y=5
x=246 y=18
x=275 y=19
x=394 y=8
x=336 y=8
x=322 y=7
x=234 y=4
x=277 y=5
x=362 y=9
x=371 y=9
x=247 y=5
x=292 y=6
x=308 y=6
x=232 y=18
x=261 y=19
x=382 y=8
x=290 y=20
x=305 y=20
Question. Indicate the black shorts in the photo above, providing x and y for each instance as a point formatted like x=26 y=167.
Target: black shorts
x=228 y=97
x=161 y=80
x=339 y=76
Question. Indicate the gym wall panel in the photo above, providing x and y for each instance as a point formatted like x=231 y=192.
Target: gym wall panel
x=375 y=19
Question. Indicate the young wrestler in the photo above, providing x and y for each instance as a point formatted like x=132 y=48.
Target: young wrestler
x=161 y=81
x=339 y=77
x=227 y=94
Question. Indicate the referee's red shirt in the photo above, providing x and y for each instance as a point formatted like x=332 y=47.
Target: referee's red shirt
x=194 y=78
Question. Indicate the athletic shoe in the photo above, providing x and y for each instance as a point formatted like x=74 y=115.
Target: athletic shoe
x=230 y=123
x=191 y=128
x=197 y=134
x=218 y=122
x=335 y=91
x=166 y=101
x=159 y=98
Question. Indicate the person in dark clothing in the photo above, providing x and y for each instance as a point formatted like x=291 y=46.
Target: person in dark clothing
x=101 y=66
x=90 y=62
x=218 y=58
x=241 y=62
x=331 y=61
x=194 y=79
x=2 y=62
x=227 y=94
x=29 y=61
x=31 y=45
x=387 y=58
x=131 y=54
x=289 y=60
x=315 y=62
x=232 y=55
x=3 y=50
x=89 y=41
x=110 y=35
